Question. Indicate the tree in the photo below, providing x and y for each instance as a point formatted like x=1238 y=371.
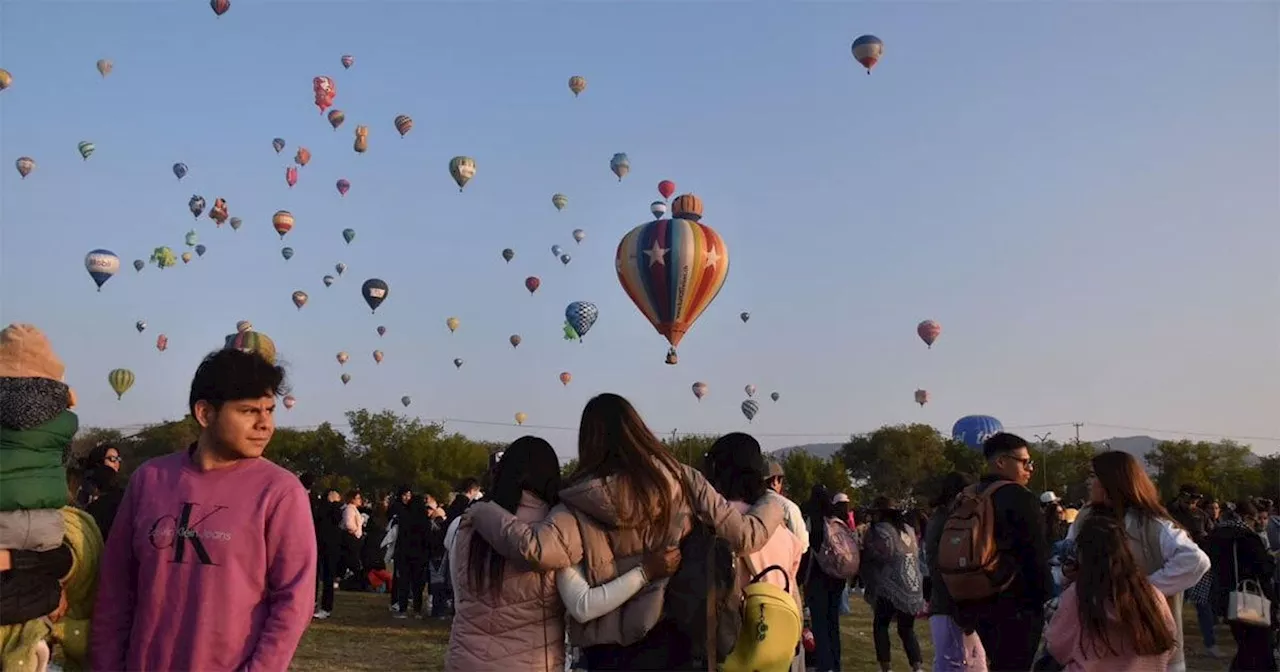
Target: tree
x=1220 y=469
x=568 y=468
x=803 y=471
x=690 y=448
x=157 y=440
x=1062 y=468
x=90 y=437
x=897 y=460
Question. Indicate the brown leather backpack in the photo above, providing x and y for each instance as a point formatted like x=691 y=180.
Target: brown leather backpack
x=968 y=557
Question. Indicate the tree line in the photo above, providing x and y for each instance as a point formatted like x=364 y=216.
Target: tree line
x=383 y=450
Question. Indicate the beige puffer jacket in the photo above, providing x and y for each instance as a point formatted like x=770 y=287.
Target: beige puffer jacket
x=585 y=526
x=523 y=628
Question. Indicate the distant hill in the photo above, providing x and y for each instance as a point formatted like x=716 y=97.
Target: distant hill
x=822 y=450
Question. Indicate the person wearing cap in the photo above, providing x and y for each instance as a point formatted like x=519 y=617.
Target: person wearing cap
x=792 y=517
x=1186 y=511
x=1055 y=527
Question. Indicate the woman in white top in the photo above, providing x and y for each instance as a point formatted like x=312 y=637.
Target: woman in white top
x=1172 y=561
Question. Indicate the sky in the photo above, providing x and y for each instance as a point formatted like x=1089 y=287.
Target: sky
x=1084 y=195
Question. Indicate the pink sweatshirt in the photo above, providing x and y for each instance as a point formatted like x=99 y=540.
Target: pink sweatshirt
x=206 y=571
x=1066 y=641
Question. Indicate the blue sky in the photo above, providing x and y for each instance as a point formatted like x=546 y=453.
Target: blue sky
x=1084 y=195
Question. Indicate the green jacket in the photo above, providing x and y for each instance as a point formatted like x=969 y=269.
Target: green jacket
x=31 y=471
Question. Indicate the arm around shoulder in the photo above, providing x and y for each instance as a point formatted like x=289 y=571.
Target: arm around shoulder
x=746 y=533
x=549 y=544
x=585 y=603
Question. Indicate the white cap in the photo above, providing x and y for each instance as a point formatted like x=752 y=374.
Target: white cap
x=840 y=497
x=1048 y=497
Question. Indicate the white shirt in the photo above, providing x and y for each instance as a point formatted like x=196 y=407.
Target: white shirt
x=584 y=603
x=1184 y=562
x=795 y=521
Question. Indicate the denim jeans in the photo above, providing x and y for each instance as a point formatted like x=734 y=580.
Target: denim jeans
x=1206 y=619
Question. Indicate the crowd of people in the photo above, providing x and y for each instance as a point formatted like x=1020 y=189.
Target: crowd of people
x=217 y=559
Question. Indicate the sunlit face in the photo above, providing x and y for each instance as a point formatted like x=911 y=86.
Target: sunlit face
x=357 y=501
x=241 y=429
x=112 y=459
x=1016 y=465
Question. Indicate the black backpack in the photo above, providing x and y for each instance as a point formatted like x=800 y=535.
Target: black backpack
x=703 y=593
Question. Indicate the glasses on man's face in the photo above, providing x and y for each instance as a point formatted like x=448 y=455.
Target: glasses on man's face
x=113 y=459
x=1026 y=462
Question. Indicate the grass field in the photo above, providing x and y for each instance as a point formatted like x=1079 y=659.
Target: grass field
x=361 y=635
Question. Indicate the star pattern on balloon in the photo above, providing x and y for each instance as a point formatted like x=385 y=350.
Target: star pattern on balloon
x=657 y=254
x=713 y=257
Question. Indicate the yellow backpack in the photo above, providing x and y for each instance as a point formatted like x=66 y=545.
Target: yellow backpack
x=771 y=625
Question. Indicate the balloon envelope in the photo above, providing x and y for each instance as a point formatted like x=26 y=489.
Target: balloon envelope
x=581 y=315
x=972 y=430
x=928 y=331
x=375 y=291
x=101 y=265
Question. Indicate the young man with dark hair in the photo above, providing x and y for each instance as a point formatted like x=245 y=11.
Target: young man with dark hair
x=1011 y=623
x=212 y=565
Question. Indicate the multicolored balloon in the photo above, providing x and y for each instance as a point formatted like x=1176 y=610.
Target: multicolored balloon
x=86 y=149
x=867 y=50
x=377 y=356
x=404 y=124
x=196 y=205
x=291 y=176
x=347 y=61
x=565 y=377
x=302 y=157
x=248 y=340
x=325 y=91
x=508 y=254
x=277 y=144
x=581 y=315
x=180 y=170
x=565 y=259
x=673 y=268
x=328 y=280
x=162 y=343
x=928 y=331
x=340 y=268
x=559 y=200
x=140 y=325
x=620 y=165
x=343 y=186
x=218 y=213
x=220 y=7
x=164 y=257
x=462 y=168
x=186 y=257
x=749 y=408
x=25 y=165
x=922 y=397
x=120 y=381
x=105 y=66
x=299 y=299
x=343 y=358
x=375 y=291
x=973 y=430
x=577 y=84
x=336 y=117
x=6 y=79
x=282 y=221
x=243 y=326
x=658 y=209
x=101 y=265
x=700 y=390
x=361 y=144
x=532 y=283
x=579 y=235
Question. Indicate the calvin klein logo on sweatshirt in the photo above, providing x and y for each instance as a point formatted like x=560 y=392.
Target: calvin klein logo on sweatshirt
x=179 y=531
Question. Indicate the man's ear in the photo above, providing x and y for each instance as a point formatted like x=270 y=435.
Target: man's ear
x=204 y=413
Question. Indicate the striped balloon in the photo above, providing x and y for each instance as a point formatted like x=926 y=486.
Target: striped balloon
x=404 y=124
x=282 y=221
x=120 y=380
x=252 y=341
x=672 y=269
x=86 y=149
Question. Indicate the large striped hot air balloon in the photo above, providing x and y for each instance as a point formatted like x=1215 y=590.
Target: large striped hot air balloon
x=252 y=341
x=404 y=124
x=283 y=222
x=867 y=50
x=673 y=268
x=86 y=149
x=120 y=381
x=101 y=265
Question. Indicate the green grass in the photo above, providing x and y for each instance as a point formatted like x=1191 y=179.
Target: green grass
x=361 y=635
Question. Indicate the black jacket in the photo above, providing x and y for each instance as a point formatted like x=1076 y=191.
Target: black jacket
x=329 y=532
x=1024 y=548
x=1231 y=547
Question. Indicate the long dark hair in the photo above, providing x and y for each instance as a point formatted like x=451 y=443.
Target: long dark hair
x=736 y=467
x=614 y=441
x=1127 y=486
x=1110 y=582
x=529 y=464
x=886 y=511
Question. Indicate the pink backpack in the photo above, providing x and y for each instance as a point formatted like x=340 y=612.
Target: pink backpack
x=839 y=555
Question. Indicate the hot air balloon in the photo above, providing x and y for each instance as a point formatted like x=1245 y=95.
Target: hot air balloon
x=532 y=283
x=277 y=144
x=251 y=341
x=191 y=238
x=186 y=257
x=361 y=143
x=867 y=51
x=120 y=380
x=105 y=66
x=180 y=170
x=514 y=340
x=200 y=250
x=453 y=323
x=406 y=401
x=196 y=205
x=666 y=188
x=658 y=208
x=289 y=401
x=283 y=222
x=382 y=331
x=336 y=117
x=25 y=165
x=348 y=235
x=922 y=397
x=86 y=149
x=346 y=378
x=375 y=291
x=287 y=253
x=775 y=397
x=328 y=280
x=577 y=84
x=972 y=430
x=673 y=268
x=508 y=254
x=162 y=343
x=377 y=356
x=457 y=363
x=299 y=299
x=559 y=200
x=235 y=223
x=620 y=165
x=462 y=168
x=928 y=331
x=302 y=157
x=347 y=61
x=218 y=213
x=291 y=176
x=140 y=325
x=404 y=124
x=700 y=390
x=343 y=186
x=342 y=358
x=565 y=259
x=744 y=316
x=220 y=7
x=340 y=268
x=565 y=377
x=325 y=90
x=164 y=257
x=6 y=79
x=556 y=250
x=243 y=326
x=579 y=235
x=581 y=315
x=750 y=390
x=101 y=264
x=749 y=408
x=520 y=418
x=139 y=264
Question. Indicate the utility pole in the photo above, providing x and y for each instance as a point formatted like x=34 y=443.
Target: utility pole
x=1040 y=438
x=1077 y=425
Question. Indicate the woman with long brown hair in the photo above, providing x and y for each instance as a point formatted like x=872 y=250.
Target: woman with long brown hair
x=1164 y=551
x=1111 y=619
x=628 y=496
